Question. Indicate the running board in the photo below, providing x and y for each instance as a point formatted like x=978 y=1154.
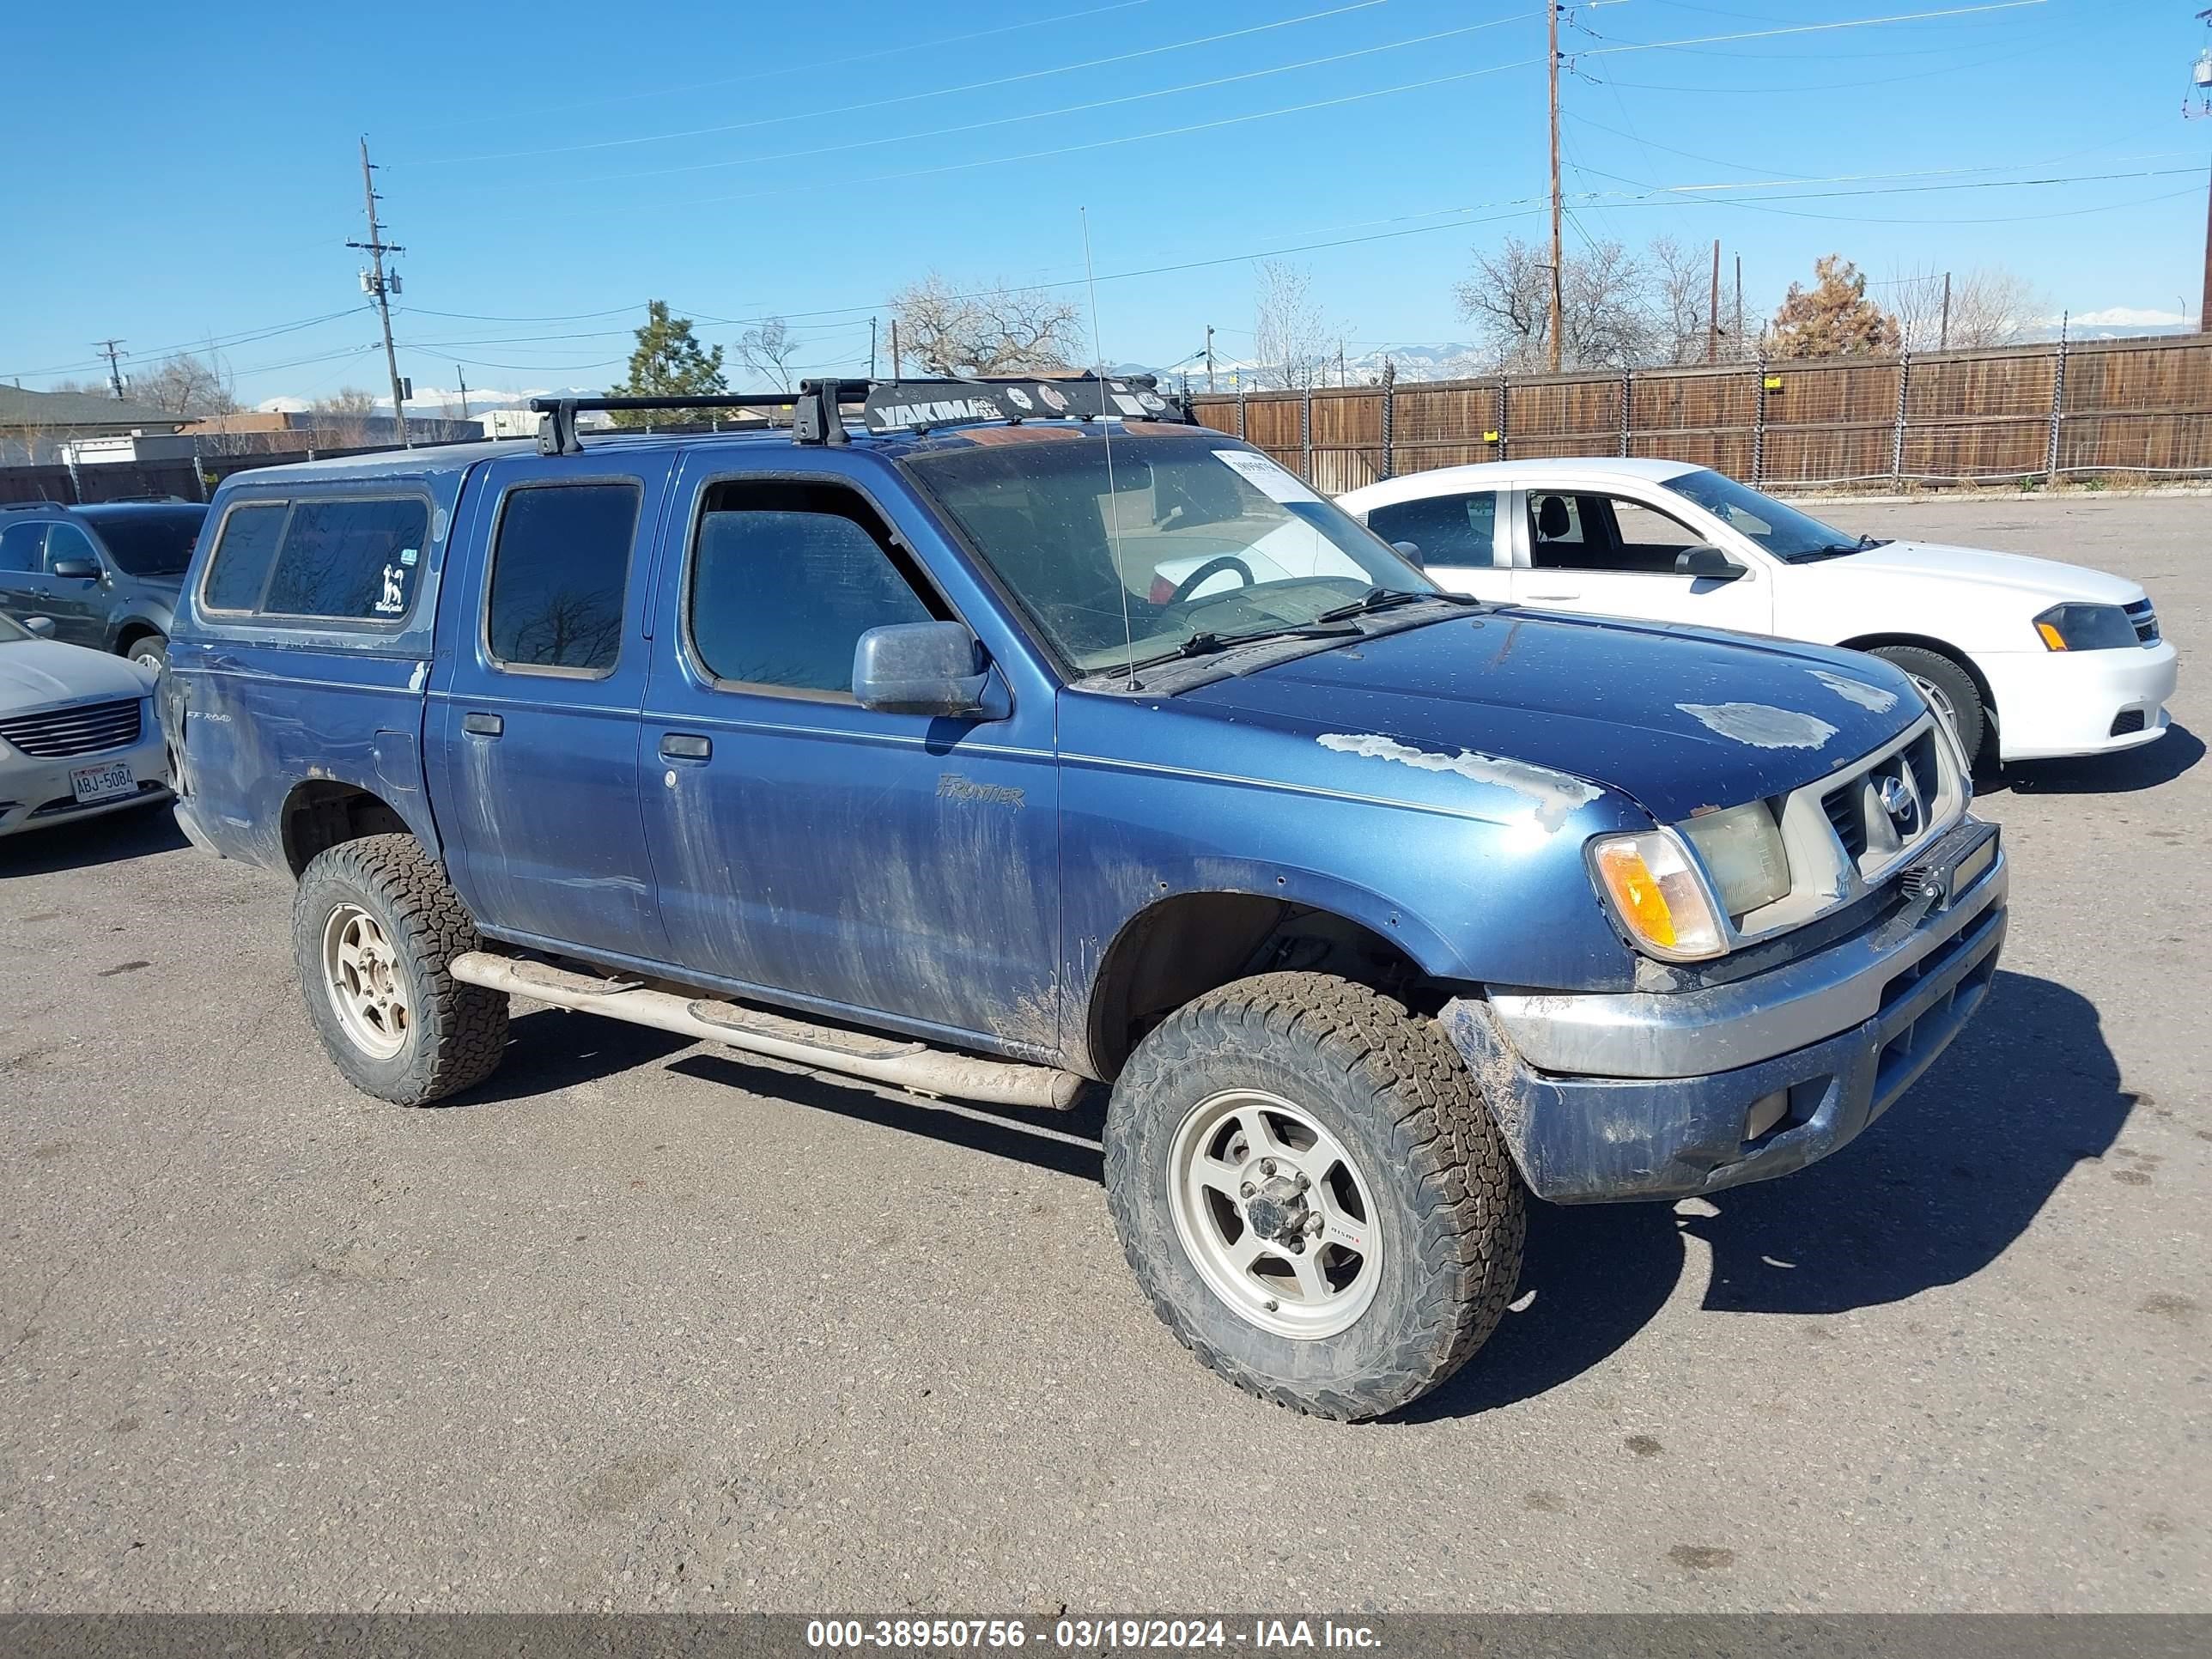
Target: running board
x=902 y=1064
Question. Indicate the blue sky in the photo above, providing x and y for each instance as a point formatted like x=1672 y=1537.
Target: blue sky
x=181 y=175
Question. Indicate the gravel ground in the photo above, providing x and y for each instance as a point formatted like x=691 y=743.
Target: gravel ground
x=639 y=1326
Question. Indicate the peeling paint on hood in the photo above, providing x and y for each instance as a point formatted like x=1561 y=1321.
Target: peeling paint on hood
x=1760 y=725
x=1552 y=796
x=1857 y=691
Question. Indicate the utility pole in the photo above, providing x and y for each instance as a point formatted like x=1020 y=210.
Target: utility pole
x=1339 y=365
x=112 y=350
x=379 y=285
x=872 y=348
x=895 y=349
x=1552 y=64
x=1738 y=349
x=1713 y=310
x=1209 y=358
x=463 y=380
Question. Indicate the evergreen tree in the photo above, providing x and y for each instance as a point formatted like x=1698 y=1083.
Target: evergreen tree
x=1832 y=319
x=668 y=362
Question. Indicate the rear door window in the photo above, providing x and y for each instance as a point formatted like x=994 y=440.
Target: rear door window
x=559 y=571
x=19 y=545
x=1448 y=530
x=351 y=559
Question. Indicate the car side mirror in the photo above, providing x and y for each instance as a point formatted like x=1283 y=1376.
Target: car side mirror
x=78 y=570
x=1708 y=564
x=1411 y=553
x=41 y=625
x=920 y=668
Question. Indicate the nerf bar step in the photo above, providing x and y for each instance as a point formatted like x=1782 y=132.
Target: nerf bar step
x=903 y=1065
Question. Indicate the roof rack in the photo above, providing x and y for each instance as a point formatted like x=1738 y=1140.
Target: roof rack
x=27 y=507
x=899 y=406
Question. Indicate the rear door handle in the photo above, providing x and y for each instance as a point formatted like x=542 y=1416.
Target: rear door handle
x=1571 y=593
x=482 y=726
x=686 y=745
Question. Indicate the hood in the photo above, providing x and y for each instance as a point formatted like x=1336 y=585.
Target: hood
x=2045 y=580
x=39 y=673
x=1675 y=718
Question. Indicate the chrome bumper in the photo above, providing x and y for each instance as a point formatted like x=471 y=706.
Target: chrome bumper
x=1611 y=1097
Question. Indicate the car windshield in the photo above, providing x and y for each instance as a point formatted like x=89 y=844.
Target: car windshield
x=1782 y=530
x=1130 y=548
x=151 y=541
x=11 y=632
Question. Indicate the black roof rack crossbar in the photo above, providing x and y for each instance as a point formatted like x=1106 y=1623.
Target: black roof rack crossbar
x=900 y=406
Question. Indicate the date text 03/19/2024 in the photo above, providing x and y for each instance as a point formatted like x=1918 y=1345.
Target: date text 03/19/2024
x=1088 y=1634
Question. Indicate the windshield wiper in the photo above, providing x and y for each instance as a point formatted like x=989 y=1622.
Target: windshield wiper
x=1207 y=645
x=1385 y=598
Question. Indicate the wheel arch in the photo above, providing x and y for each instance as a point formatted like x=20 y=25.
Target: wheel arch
x=1942 y=648
x=322 y=812
x=1184 y=944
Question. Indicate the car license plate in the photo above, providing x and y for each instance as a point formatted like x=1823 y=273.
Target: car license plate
x=96 y=783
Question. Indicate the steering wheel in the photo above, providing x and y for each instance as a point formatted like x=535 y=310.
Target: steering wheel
x=1213 y=567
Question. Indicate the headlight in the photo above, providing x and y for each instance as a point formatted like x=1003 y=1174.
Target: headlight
x=1657 y=895
x=1742 y=851
x=2085 y=628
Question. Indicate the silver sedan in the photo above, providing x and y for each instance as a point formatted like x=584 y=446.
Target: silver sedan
x=78 y=732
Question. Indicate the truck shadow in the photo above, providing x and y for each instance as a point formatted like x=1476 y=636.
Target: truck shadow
x=136 y=833
x=2128 y=772
x=1930 y=1195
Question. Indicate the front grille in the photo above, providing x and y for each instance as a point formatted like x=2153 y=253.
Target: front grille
x=2127 y=721
x=2145 y=620
x=88 y=728
x=1842 y=807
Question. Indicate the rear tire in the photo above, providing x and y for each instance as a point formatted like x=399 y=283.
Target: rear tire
x=1953 y=685
x=1353 y=1294
x=374 y=925
x=153 y=651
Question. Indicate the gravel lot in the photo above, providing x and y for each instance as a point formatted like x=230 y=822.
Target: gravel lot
x=639 y=1326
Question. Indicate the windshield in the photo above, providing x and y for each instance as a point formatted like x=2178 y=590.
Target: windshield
x=1192 y=543
x=11 y=631
x=1782 y=531
x=156 y=542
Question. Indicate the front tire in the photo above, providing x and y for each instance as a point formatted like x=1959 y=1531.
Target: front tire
x=1950 y=690
x=1312 y=1194
x=151 y=652
x=374 y=925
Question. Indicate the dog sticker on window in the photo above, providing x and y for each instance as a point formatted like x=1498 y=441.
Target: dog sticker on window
x=393 y=601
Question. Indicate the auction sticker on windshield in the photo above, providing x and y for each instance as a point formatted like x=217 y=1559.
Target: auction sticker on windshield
x=1278 y=484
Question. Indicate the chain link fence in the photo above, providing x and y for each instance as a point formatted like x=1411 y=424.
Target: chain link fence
x=2139 y=408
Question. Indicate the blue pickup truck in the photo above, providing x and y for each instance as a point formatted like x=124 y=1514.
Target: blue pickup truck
x=889 y=733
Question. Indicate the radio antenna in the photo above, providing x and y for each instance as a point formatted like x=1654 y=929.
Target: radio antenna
x=1113 y=496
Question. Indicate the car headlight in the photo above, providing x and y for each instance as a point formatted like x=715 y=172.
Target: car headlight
x=2085 y=628
x=1743 y=853
x=1657 y=895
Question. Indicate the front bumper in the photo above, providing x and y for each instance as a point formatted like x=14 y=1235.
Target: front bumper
x=1660 y=1099
x=34 y=793
x=2055 y=703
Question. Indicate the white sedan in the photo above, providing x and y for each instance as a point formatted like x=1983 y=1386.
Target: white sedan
x=2035 y=659
x=77 y=731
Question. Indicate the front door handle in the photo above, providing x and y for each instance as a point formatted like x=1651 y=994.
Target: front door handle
x=482 y=726
x=686 y=745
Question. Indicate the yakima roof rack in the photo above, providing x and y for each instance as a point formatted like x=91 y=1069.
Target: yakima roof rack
x=899 y=406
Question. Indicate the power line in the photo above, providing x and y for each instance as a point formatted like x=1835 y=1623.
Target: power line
x=1048 y=114
x=209 y=343
x=911 y=97
x=1808 y=28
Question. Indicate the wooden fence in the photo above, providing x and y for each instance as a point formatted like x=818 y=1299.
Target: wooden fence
x=2136 y=407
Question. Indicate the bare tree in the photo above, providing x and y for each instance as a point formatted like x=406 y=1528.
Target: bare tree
x=1682 y=299
x=997 y=330
x=190 y=387
x=1291 y=339
x=1989 y=307
x=1605 y=320
x=768 y=350
x=341 y=420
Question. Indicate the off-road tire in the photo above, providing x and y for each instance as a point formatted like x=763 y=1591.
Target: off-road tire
x=459 y=1032
x=1392 y=1089
x=1967 y=710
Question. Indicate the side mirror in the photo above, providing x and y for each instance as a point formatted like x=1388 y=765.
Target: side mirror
x=41 y=625
x=78 y=570
x=1411 y=553
x=1708 y=564
x=919 y=668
